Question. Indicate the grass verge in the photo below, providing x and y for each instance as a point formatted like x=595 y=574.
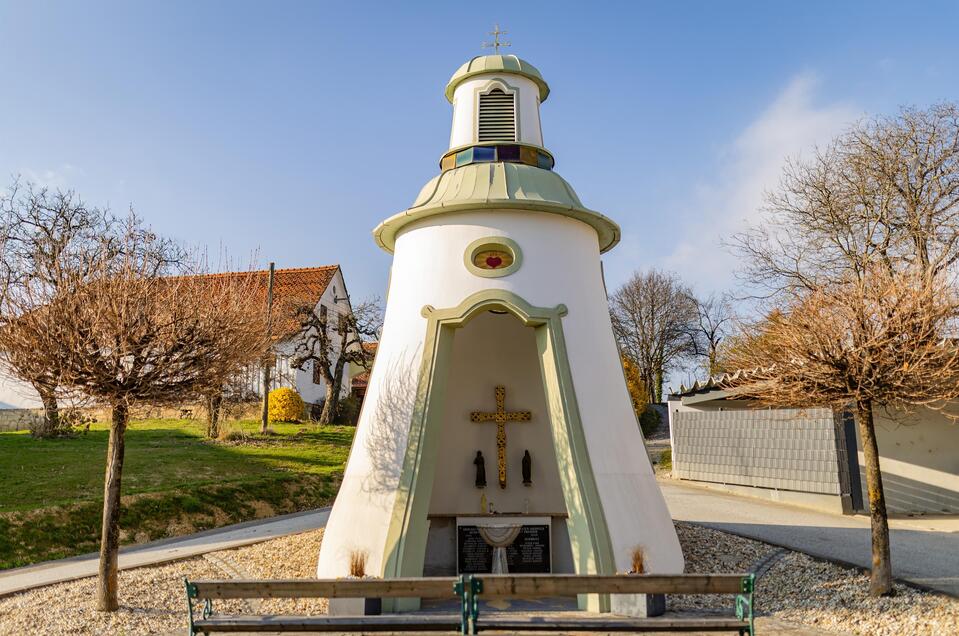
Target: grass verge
x=175 y=482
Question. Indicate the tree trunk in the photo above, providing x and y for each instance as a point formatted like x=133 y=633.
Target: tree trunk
x=214 y=403
x=713 y=358
x=332 y=402
x=265 y=415
x=110 y=535
x=650 y=383
x=880 y=582
x=658 y=387
x=51 y=414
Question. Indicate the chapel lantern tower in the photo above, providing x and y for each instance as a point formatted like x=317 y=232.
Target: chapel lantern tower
x=496 y=101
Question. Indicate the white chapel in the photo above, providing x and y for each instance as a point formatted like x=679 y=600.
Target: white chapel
x=497 y=434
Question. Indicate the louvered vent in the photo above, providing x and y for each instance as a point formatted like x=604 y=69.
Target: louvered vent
x=497 y=116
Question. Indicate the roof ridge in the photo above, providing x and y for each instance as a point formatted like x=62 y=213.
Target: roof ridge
x=318 y=268
x=300 y=269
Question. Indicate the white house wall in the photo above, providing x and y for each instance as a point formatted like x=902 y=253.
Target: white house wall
x=16 y=394
x=316 y=393
x=919 y=460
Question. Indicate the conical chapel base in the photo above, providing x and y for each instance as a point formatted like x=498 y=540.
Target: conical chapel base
x=497 y=290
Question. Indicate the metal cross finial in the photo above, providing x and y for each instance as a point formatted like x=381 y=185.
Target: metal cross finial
x=495 y=44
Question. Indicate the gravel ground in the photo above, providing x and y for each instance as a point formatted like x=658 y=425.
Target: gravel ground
x=152 y=599
x=796 y=589
x=799 y=589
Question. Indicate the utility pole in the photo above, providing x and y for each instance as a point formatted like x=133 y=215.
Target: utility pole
x=268 y=363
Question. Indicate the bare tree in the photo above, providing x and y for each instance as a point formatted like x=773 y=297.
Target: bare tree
x=655 y=318
x=45 y=234
x=122 y=335
x=715 y=323
x=886 y=191
x=40 y=230
x=876 y=207
x=875 y=341
x=330 y=348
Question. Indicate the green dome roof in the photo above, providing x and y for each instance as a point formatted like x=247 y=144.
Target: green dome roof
x=496 y=64
x=497 y=186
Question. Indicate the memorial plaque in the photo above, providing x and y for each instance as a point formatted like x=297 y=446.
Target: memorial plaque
x=529 y=553
x=473 y=554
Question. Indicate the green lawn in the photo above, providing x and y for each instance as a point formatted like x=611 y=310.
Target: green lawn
x=174 y=480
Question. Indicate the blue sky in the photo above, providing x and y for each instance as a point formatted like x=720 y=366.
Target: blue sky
x=258 y=127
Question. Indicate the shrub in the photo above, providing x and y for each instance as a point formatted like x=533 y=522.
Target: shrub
x=358 y=560
x=649 y=421
x=233 y=435
x=286 y=405
x=349 y=411
x=634 y=383
x=666 y=459
x=638 y=560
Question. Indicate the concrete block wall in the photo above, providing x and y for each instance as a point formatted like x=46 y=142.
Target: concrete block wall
x=787 y=449
x=18 y=419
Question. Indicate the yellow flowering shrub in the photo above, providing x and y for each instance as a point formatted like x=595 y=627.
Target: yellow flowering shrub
x=286 y=405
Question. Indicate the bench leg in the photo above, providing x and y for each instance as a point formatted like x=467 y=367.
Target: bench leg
x=744 y=605
x=468 y=589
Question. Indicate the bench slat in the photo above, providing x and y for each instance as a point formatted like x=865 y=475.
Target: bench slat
x=425 y=623
x=533 y=624
x=525 y=585
x=327 y=588
x=534 y=585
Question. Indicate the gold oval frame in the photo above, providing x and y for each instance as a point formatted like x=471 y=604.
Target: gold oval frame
x=493 y=242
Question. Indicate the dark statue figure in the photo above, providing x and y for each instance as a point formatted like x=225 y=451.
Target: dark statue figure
x=527 y=469
x=480 y=464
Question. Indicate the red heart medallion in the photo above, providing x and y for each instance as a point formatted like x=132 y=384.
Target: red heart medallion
x=493 y=261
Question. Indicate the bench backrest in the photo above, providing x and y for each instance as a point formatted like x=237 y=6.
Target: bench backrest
x=493 y=586
x=433 y=587
x=537 y=585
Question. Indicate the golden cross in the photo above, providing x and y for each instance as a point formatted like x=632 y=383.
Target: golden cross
x=495 y=44
x=501 y=416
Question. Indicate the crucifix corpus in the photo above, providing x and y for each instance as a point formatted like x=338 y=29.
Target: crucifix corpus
x=501 y=416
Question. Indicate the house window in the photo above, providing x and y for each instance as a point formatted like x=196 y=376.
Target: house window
x=317 y=376
x=497 y=116
x=323 y=312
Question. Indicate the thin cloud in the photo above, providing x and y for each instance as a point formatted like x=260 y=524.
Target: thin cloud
x=62 y=177
x=793 y=124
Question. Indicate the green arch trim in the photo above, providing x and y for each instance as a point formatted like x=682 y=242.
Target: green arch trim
x=405 y=548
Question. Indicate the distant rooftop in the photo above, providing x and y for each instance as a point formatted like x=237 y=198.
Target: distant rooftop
x=292 y=288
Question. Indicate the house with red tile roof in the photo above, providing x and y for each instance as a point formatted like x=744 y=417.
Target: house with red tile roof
x=322 y=288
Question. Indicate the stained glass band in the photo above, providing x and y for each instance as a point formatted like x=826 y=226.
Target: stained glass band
x=513 y=153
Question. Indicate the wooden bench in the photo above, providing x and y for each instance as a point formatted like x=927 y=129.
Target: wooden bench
x=482 y=587
x=206 y=592
x=469 y=590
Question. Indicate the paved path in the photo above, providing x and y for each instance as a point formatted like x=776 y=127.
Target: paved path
x=925 y=551
x=166 y=550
